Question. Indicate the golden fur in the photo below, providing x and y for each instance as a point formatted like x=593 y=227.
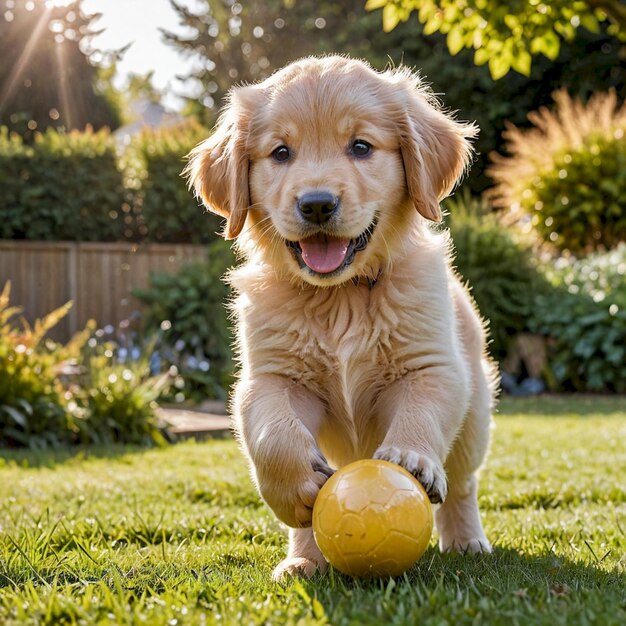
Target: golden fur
x=384 y=357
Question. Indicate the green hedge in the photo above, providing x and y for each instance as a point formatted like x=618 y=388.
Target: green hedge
x=80 y=186
x=168 y=210
x=65 y=186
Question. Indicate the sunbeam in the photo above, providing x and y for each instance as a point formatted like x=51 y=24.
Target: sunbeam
x=66 y=102
x=23 y=60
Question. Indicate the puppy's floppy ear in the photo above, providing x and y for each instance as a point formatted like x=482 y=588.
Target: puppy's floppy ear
x=435 y=148
x=218 y=167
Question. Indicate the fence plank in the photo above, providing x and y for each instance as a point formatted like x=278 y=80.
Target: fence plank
x=99 y=277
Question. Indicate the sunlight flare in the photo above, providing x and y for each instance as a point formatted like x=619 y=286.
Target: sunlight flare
x=22 y=62
x=64 y=87
x=57 y=3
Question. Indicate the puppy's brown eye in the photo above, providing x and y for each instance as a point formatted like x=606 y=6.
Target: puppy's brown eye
x=360 y=148
x=281 y=154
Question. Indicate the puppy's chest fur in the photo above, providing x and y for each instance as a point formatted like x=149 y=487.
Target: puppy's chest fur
x=346 y=345
x=347 y=335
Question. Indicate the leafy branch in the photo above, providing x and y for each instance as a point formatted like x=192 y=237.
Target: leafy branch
x=505 y=34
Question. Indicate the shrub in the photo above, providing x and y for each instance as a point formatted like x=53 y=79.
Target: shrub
x=13 y=169
x=586 y=342
x=500 y=271
x=198 y=338
x=32 y=403
x=577 y=305
x=74 y=187
x=186 y=310
x=53 y=394
x=584 y=320
x=66 y=186
x=118 y=397
x=601 y=276
x=168 y=210
x=568 y=174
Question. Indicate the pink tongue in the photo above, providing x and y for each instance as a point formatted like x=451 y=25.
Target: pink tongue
x=324 y=254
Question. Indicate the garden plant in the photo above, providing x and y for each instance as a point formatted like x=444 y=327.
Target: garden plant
x=54 y=394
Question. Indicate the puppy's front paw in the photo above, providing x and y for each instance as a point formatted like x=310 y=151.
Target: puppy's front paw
x=291 y=491
x=428 y=471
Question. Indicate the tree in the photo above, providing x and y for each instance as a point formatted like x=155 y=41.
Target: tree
x=505 y=34
x=236 y=42
x=46 y=76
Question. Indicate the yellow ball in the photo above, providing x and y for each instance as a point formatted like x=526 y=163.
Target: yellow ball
x=372 y=519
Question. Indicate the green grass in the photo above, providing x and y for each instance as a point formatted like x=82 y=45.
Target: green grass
x=178 y=536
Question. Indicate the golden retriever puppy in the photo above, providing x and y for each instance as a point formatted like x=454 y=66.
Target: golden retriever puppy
x=356 y=338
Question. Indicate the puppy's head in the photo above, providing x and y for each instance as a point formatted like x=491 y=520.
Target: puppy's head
x=327 y=163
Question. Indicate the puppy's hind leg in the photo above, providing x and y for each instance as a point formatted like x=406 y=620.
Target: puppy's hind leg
x=458 y=519
x=304 y=557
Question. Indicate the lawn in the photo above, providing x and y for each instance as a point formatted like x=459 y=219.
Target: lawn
x=178 y=536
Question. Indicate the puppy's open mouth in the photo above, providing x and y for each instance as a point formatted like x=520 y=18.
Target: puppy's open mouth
x=327 y=255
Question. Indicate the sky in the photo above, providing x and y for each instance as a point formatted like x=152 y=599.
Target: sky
x=138 y=21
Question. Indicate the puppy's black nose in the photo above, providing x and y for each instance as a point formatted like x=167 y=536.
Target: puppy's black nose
x=317 y=206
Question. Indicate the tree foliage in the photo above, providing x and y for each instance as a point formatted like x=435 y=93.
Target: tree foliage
x=235 y=42
x=505 y=34
x=46 y=77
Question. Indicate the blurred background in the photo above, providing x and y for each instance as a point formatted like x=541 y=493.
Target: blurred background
x=100 y=100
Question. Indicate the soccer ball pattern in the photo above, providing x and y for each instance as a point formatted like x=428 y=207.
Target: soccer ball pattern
x=372 y=519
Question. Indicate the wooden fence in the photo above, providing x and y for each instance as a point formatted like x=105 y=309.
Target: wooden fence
x=97 y=277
